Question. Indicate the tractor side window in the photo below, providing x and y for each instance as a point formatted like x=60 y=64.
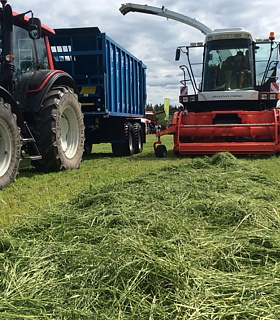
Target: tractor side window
x=27 y=57
x=43 y=60
x=24 y=51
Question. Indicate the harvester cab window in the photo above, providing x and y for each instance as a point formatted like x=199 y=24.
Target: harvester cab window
x=266 y=55
x=228 y=65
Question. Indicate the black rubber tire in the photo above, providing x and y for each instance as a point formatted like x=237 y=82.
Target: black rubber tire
x=87 y=148
x=10 y=146
x=161 y=151
x=59 y=131
x=125 y=148
x=138 y=138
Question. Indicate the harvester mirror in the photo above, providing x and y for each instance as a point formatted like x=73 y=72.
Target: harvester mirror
x=35 y=28
x=178 y=53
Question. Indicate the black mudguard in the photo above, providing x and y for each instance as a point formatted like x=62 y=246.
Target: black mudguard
x=40 y=84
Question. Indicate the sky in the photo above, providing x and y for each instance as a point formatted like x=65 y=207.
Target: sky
x=154 y=39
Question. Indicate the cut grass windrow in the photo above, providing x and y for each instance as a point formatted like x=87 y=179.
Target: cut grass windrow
x=195 y=239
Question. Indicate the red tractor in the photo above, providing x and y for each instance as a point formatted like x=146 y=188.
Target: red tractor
x=40 y=116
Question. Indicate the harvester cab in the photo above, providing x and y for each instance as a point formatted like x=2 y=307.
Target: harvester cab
x=233 y=105
x=235 y=68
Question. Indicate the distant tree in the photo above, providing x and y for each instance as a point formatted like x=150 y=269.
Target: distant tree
x=158 y=110
x=149 y=107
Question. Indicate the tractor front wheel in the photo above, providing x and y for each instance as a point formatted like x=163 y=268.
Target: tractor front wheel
x=10 y=145
x=59 y=131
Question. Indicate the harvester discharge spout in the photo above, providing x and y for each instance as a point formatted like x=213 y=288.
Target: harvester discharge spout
x=164 y=12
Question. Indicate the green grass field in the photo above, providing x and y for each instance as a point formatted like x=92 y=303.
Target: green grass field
x=143 y=238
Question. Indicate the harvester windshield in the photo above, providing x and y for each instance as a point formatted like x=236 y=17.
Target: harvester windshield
x=228 y=65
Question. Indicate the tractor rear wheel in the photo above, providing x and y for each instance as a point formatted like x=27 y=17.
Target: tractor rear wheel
x=59 y=131
x=10 y=145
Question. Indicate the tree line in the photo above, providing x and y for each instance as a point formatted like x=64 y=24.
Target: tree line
x=159 y=117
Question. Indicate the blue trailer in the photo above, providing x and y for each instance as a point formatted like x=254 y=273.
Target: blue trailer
x=112 y=86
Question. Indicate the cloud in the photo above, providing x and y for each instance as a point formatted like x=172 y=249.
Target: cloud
x=154 y=39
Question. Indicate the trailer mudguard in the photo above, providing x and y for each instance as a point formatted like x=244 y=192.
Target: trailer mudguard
x=40 y=84
x=8 y=98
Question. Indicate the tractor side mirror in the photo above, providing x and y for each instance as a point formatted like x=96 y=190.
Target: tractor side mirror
x=35 y=28
x=178 y=53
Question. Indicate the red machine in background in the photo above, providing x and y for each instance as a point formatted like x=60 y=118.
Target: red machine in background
x=234 y=107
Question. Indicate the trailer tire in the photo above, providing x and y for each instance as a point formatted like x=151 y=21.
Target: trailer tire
x=138 y=138
x=87 y=148
x=10 y=145
x=126 y=148
x=59 y=131
x=161 y=151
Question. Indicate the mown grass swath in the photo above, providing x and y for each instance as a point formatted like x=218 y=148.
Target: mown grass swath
x=194 y=238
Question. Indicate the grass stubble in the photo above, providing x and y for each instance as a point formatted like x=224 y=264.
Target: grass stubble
x=197 y=238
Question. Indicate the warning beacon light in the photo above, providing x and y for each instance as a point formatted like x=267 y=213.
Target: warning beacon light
x=271 y=36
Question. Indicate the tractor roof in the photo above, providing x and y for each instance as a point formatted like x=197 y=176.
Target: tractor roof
x=23 y=22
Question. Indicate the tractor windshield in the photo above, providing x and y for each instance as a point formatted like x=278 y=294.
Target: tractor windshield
x=228 y=65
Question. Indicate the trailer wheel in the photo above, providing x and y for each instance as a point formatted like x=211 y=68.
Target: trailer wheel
x=138 y=137
x=161 y=151
x=59 y=131
x=125 y=148
x=87 y=148
x=10 y=145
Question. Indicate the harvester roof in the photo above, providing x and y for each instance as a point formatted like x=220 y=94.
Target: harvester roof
x=229 y=33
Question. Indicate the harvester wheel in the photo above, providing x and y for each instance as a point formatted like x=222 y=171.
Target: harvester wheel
x=10 y=145
x=125 y=148
x=161 y=151
x=138 y=138
x=59 y=131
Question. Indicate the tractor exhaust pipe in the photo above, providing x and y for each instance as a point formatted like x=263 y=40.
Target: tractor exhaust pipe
x=7 y=53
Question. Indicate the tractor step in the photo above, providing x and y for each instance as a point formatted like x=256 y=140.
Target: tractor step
x=28 y=140
x=29 y=145
x=24 y=156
